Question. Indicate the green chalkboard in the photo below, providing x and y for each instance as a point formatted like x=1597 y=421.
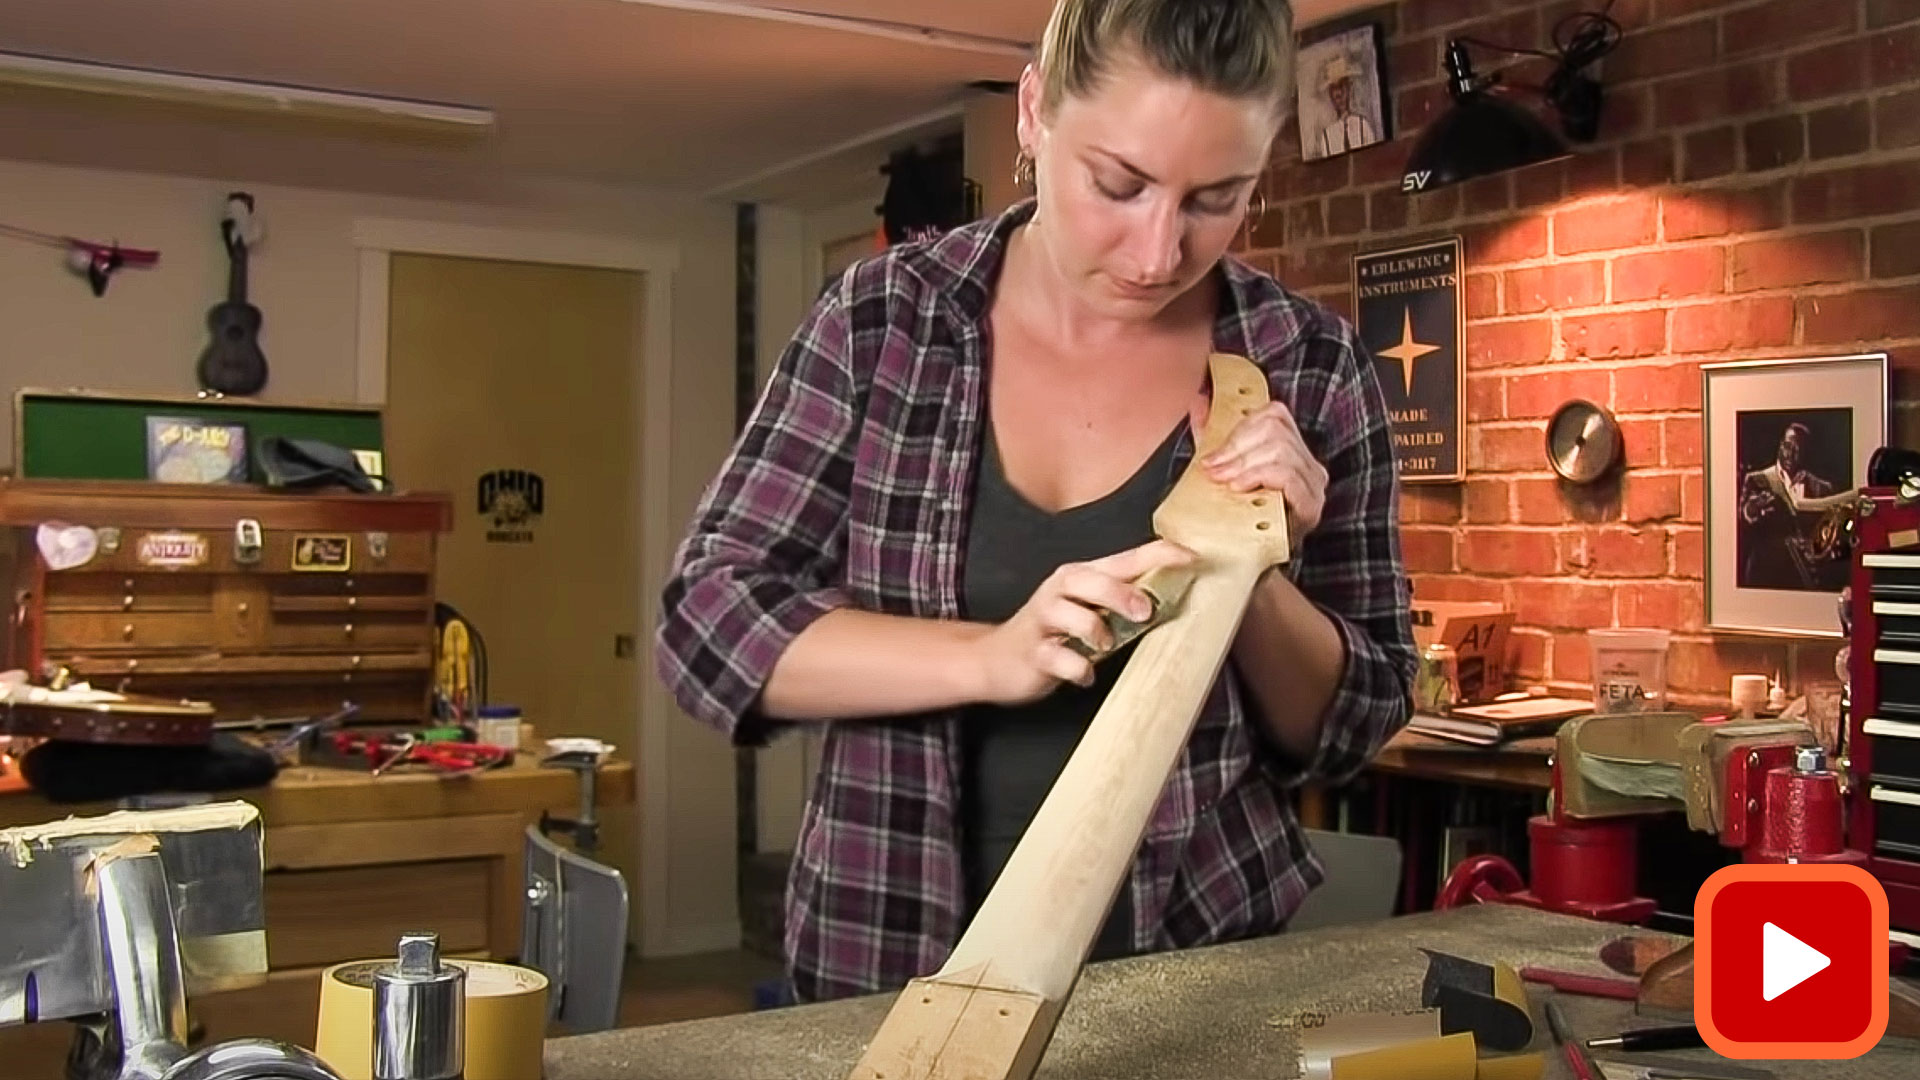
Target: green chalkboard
x=64 y=435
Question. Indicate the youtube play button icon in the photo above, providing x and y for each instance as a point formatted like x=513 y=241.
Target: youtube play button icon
x=1791 y=961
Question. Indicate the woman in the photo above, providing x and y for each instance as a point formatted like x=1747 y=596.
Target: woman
x=958 y=459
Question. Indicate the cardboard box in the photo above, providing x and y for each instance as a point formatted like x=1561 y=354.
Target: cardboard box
x=1478 y=631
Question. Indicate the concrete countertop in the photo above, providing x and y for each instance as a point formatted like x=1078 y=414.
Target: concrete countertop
x=1219 y=1012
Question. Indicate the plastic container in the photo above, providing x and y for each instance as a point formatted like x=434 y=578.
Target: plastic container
x=1629 y=669
x=497 y=725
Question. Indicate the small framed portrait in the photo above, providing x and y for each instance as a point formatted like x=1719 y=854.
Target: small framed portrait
x=1342 y=93
x=1787 y=444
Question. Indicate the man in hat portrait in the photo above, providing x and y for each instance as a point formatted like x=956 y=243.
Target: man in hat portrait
x=1350 y=128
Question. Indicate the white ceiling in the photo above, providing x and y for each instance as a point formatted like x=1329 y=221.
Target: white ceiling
x=613 y=91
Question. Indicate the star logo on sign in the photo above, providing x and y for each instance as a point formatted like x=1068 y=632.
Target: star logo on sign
x=1408 y=350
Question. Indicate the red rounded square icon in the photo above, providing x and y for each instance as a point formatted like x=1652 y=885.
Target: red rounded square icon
x=1791 y=961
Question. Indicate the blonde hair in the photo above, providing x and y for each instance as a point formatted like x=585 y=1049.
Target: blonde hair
x=1236 y=48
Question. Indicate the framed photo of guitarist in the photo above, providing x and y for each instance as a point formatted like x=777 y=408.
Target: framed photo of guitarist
x=1786 y=449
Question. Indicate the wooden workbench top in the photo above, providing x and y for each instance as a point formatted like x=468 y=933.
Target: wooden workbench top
x=310 y=795
x=1218 y=1011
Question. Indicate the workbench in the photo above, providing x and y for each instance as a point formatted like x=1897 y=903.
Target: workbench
x=353 y=861
x=1221 y=1011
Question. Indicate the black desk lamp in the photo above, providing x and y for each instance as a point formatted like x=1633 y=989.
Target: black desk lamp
x=1485 y=132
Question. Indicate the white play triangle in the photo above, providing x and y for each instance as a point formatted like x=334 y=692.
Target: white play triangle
x=1786 y=961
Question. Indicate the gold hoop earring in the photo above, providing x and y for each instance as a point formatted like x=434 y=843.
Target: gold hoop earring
x=1256 y=215
x=1023 y=169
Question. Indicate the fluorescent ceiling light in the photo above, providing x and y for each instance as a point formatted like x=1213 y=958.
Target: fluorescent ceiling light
x=898 y=31
x=23 y=69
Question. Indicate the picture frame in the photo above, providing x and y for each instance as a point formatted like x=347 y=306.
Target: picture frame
x=1341 y=79
x=1786 y=445
x=190 y=450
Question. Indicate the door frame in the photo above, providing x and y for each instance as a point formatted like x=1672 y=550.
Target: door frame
x=378 y=240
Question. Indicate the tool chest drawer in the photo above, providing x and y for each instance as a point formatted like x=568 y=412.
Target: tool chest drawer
x=1895 y=751
x=1896 y=812
x=264 y=603
x=1898 y=672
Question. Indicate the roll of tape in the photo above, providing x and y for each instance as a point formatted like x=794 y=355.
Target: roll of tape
x=506 y=1019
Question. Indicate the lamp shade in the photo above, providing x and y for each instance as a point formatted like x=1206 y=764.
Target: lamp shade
x=1481 y=134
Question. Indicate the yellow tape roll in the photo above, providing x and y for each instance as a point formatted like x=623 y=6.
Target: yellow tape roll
x=506 y=1019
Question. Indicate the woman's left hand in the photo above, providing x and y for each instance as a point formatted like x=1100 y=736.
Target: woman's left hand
x=1267 y=451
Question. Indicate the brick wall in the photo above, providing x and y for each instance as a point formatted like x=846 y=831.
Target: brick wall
x=1755 y=192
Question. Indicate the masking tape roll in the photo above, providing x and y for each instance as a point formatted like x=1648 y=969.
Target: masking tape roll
x=506 y=1021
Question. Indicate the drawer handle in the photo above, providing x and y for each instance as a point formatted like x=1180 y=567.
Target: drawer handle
x=126 y=632
x=1891 y=795
x=126 y=602
x=349 y=629
x=352 y=602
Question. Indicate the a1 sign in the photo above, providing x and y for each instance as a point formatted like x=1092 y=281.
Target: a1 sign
x=1792 y=961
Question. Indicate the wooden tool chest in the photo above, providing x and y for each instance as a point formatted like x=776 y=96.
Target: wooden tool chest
x=263 y=602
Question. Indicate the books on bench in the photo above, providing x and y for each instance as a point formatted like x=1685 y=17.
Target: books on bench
x=1498 y=721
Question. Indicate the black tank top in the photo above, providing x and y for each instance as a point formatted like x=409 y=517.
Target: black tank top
x=1013 y=754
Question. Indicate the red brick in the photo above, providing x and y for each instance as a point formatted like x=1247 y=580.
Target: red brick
x=1505 y=242
x=1419 y=105
x=1539 y=502
x=1616 y=336
x=1323 y=177
x=1529 y=653
x=1415 y=61
x=1535 y=397
x=1716 y=212
x=1488 y=194
x=1327 y=264
x=1483 y=296
x=1306 y=221
x=1503 y=449
x=1381 y=163
x=1430 y=504
x=1671 y=10
x=1458 y=587
x=1436 y=207
x=1739 y=324
x=1627 y=112
x=1340 y=300
x=1593 y=171
x=1388 y=211
x=1649 y=162
x=1621 y=223
x=1869 y=315
x=1785 y=22
x=1859 y=191
x=1796 y=261
x=1662 y=275
x=1269 y=231
x=1346 y=215
x=1888 y=12
x=1551 y=288
x=1692 y=499
x=1840 y=130
x=1896 y=250
x=1428 y=551
x=1506 y=344
x=1537 y=185
x=1632 y=15
x=1898 y=119
x=1689 y=553
x=1651 y=498
x=1718 y=93
x=1774 y=142
x=1432 y=14
x=1828 y=71
x=1628 y=552
x=1656 y=389
x=1506 y=552
x=1562 y=603
x=1893 y=56
x=1663 y=50
x=1664 y=604
x=1572 y=657
x=1486 y=397
x=1488 y=502
x=1680 y=436
x=1640 y=441
x=1711 y=153
x=1708 y=667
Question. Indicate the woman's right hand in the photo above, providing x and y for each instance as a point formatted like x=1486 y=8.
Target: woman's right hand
x=1026 y=657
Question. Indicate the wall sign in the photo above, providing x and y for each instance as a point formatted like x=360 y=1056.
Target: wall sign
x=512 y=500
x=1411 y=312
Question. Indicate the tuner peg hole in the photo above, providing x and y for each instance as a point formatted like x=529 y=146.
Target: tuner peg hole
x=1263 y=526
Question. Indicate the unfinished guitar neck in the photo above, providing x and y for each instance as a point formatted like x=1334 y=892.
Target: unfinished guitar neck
x=990 y=1011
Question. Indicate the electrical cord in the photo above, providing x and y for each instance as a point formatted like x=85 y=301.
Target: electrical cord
x=1580 y=40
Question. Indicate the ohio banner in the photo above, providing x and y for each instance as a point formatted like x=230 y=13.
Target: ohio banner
x=1411 y=310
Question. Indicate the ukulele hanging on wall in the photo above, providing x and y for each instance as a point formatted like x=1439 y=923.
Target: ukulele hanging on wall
x=232 y=362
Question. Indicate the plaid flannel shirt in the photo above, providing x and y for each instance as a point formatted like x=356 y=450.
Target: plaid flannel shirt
x=850 y=486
